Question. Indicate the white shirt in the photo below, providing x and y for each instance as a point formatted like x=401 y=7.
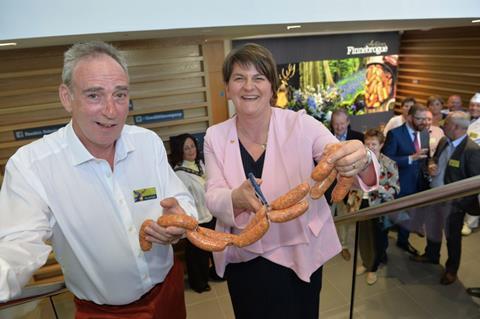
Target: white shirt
x=474 y=131
x=394 y=122
x=55 y=189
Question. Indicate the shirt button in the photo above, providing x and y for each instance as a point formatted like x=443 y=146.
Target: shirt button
x=121 y=201
x=131 y=228
x=145 y=277
x=109 y=174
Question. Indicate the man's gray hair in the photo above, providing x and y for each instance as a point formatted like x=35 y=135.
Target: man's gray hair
x=87 y=49
x=459 y=118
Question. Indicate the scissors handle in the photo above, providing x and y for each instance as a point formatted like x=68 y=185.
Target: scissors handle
x=257 y=189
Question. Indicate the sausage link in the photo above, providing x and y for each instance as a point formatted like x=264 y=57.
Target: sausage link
x=215 y=235
x=291 y=197
x=261 y=213
x=323 y=168
x=145 y=245
x=319 y=188
x=206 y=243
x=178 y=220
x=248 y=237
x=289 y=213
x=342 y=188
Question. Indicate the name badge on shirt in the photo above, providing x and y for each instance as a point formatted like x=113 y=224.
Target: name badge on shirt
x=142 y=194
x=454 y=163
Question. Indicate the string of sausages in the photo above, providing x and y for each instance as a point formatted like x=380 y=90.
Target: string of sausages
x=283 y=209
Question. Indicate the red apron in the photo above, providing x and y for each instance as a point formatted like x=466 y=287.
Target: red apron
x=164 y=301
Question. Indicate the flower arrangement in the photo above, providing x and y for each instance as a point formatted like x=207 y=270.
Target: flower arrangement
x=321 y=103
x=317 y=102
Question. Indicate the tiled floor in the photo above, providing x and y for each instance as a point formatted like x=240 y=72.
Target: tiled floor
x=404 y=290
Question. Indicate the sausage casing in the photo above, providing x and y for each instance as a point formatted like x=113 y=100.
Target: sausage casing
x=204 y=242
x=319 y=188
x=145 y=245
x=261 y=213
x=291 y=197
x=178 y=220
x=289 y=213
x=323 y=168
x=342 y=188
x=225 y=237
x=249 y=236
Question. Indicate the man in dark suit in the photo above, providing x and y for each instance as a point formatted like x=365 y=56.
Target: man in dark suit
x=408 y=146
x=457 y=157
x=340 y=127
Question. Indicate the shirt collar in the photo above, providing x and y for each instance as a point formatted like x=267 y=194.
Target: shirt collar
x=459 y=140
x=80 y=154
x=410 y=129
x=342 y=137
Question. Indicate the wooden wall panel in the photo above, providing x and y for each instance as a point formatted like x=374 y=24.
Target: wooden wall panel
x=165 y=75
x=214 y=54
x=441 y=62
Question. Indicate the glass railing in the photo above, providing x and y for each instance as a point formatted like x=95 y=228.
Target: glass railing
x=406 y=288
x=403 y=289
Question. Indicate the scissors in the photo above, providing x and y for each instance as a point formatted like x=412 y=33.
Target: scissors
x=257 y=189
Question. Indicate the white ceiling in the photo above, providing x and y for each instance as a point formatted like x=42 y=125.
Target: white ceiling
x=254 y=31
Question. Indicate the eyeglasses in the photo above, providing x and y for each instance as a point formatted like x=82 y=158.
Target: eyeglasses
x=422 y=119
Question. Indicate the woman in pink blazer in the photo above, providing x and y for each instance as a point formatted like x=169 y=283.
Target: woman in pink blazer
x=279 y=276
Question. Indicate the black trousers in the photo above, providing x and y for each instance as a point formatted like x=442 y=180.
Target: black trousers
x=372 y=241
x=198 y=262
x=451 y=224
x=262 y=289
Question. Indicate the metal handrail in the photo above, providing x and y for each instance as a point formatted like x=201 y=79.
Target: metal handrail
x=468 y=186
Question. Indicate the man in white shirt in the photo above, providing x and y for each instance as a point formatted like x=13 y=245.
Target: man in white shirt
x=77 y=188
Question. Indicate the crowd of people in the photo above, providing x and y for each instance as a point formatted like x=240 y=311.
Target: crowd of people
x=88 y=187
x=429 y=146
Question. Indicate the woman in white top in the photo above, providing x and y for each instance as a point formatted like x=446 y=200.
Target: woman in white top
x=188 y=166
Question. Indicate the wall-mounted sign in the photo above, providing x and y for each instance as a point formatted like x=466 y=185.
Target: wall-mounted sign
x=327 y=47
x=370 y=48
x=36 y=132
x=158 y=117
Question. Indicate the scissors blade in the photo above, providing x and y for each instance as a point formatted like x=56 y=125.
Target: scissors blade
x=257 y=189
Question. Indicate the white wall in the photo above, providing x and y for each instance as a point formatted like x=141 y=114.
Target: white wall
x=21 y=19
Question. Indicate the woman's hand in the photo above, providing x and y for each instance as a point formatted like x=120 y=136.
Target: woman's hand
x=166 y=235
x=244 y=198
x=350 y=159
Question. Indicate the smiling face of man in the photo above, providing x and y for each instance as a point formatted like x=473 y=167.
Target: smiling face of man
x=98 y=101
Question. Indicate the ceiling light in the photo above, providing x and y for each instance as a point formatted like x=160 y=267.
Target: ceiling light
x=290 y=27
x=476 y=21
x=7 y=44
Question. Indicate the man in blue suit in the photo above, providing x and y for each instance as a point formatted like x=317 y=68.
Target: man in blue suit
x=408 y=146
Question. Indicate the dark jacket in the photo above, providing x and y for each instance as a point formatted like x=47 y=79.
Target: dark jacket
x=464 y=163
x=398 y=147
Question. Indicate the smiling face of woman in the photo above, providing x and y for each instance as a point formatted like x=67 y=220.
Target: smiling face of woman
x=189 y=150
x=249 y=90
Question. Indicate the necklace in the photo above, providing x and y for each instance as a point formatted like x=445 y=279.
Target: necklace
x=245 y=136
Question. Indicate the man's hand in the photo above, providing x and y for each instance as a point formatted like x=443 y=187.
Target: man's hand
x=166 y=235
x=244 y=198
x=419 y=155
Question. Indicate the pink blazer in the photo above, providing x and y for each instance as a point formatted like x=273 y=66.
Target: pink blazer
x=295 y=139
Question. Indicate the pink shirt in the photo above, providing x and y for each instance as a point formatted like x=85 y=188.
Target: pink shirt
x=294 y=140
